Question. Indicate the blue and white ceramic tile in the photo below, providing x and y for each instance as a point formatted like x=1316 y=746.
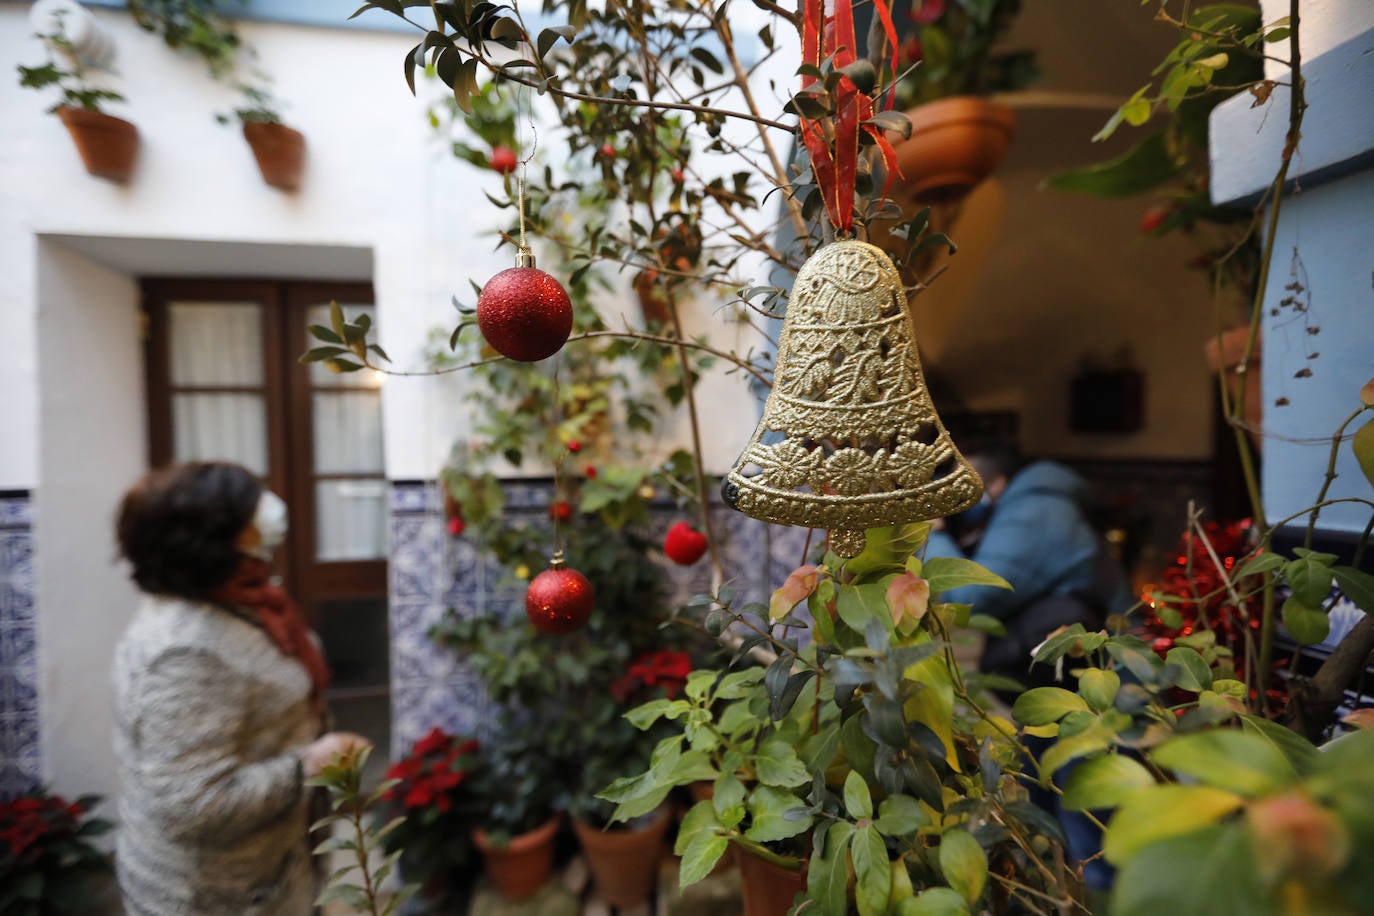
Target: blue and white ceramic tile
x=21 y=762
x=432 y=573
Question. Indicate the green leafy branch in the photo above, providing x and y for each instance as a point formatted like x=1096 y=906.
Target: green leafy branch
x=352 y=829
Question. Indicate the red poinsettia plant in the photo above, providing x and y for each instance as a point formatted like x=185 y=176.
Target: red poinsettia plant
x=666 y=669
x=429 y=796
x=47 y=858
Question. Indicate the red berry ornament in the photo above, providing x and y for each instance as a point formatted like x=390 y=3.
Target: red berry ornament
x=574 y=445
x=683 y=544
x=559 y=600
x=560 y=511
x=524 y=313
x=456 y=526
x=503 y=160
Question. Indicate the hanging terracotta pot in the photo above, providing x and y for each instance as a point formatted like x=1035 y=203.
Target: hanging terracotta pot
x=768 y=888
x=653 y=299
x=280 y=152
x=955 y=143
x=108 y=145
x=522 y=866
x=624 y=863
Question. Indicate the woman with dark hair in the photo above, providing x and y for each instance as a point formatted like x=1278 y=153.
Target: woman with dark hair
x=218 y=708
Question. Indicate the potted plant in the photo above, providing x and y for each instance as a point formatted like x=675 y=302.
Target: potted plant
x=278 y=149
x=947 y=66
x=518 y=819
x=195 y=27
x=108 y=145
x=47 y=859
x=432 y=800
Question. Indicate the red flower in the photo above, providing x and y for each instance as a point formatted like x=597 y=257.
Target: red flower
x=1153 y=218
x=432 y=743
x=421 y=795
x=443 y=803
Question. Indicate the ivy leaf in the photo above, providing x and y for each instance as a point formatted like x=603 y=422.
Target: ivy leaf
x=857 y=799
x=1309 y=576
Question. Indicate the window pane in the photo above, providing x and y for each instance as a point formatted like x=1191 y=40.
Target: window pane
x=220 y=427
x=320 y=374
x=348 y=432
x=216 y=343
x=350 y=520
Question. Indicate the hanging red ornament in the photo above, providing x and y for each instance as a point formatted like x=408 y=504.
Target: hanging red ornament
x=456 y=526
x=683 y=544
x=559 y=600
x=524 y=313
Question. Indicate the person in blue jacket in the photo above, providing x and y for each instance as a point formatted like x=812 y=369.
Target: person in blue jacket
x=1031 y=528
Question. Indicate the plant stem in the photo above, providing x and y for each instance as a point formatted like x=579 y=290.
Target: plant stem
x=1336 y=441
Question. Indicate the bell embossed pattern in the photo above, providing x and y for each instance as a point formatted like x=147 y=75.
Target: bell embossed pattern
x=849 y=438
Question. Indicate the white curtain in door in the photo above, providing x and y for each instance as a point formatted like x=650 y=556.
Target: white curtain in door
x=218 y=346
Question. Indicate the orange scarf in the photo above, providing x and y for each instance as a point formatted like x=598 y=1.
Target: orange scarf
x=280 y=618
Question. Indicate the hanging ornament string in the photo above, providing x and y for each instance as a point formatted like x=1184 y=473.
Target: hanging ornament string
x=828 y=34
x=557 y=463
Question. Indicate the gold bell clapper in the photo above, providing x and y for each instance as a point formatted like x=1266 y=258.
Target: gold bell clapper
x=849 y=438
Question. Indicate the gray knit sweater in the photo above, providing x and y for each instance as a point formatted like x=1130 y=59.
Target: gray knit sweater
x=209 y=719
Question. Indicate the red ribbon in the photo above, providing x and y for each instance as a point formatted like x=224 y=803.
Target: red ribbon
x=835 y=159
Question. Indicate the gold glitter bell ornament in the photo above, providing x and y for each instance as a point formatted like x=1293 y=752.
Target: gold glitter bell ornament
x=849 y=438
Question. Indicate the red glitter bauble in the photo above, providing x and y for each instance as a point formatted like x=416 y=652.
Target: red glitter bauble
x=559 y=600
x=683 y=544
x=524 y=314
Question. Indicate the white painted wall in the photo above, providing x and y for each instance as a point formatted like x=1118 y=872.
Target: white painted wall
x=91 y=445
x=1322 y=24
x=1329 y=231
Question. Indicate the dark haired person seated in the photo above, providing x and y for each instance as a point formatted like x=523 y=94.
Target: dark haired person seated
x=1031 y=529
x=218 y=709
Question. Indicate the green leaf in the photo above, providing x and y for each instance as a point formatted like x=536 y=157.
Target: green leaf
x=857 y=799
x=900 y=815
x=1105 y=782
x=935 y=901
x=549 y=37
x=1098 y=687
x=727 y=798
x=1044 y=705
x=1261 y=563
x=777 y=764
x=1207 y=872
x=1356 y=585
x=1310 y=578
x=1299 y=752
x=858 y=604
x=1145 y=166
x=1096 y=738
x=828 y=875
x=700 y=856
x=768 y=821
x=872 y=874
x=1228 y=759
x=1196 y=675
x=945 y=573
x=1162 y=813
x=700 y=818
x=963 y=863
x=641 y=717
x=1307 y=625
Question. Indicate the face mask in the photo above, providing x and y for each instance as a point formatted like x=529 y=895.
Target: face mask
x=270 y=522
x=978 y=515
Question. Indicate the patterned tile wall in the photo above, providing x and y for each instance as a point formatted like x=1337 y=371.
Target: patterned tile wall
x=432 y=573
x=21 y=764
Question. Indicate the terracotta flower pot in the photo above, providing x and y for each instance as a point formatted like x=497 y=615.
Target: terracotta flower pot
x=280 y=152
x=108 y=145
x=768 y=888
x=624 y=863
x=955 y=143
x=522 y=866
